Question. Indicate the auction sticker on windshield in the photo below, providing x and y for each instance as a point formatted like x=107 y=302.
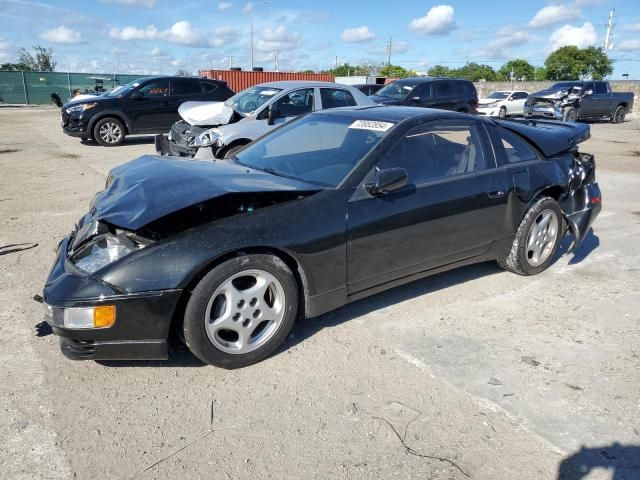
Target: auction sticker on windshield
x=371 y=125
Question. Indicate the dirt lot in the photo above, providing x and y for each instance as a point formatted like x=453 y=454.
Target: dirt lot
x=506 y=377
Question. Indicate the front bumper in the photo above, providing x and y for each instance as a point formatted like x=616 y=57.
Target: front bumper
x=164 y=146
x=581 y=209
x=550 y=111
x=142 y=321
x=489 y=112
x=74 y=125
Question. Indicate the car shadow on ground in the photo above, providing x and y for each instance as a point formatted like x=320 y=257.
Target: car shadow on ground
x=131 y=140
x=623 y=461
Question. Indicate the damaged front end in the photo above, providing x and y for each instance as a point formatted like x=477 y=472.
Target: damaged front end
x=583 y=200
x=552 y=105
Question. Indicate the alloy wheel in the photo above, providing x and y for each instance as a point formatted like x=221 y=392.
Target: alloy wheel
x=245 y=311
x=110 y=132
x=542 y=237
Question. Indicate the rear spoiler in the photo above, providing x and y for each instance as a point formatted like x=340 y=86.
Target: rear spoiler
x=551 y=137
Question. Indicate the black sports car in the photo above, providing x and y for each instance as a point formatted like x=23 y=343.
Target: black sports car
x=329 y=208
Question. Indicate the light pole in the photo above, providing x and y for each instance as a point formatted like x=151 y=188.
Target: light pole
x=250 y=8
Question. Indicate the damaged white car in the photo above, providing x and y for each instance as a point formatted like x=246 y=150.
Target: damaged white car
x=219 y=130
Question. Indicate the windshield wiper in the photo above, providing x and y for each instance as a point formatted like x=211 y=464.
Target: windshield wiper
x=279 y=174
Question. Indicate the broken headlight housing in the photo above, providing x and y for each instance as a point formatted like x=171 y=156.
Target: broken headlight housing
x=104 y=250
x=209 y=138
x=81 y=108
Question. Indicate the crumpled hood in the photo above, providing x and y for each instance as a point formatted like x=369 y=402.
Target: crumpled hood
x=150 y=187
x=205 y=113
x=550 y=93
x=382 y=100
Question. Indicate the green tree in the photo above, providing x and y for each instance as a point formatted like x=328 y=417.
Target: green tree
x=40 y=61
x=573 y=63
x=474 y=71
x=181 y=72
x=540 y=74
x=521 y=69
x=307 y=71
x=439 y=71
x=395 y=71
x=346 y=70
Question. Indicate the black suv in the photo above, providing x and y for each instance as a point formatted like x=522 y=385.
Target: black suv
x=431 y=92
x=146 y=105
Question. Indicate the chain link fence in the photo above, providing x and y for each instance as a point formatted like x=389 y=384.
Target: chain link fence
x=35 y=88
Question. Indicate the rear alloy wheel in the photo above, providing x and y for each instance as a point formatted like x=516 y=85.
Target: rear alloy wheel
x=241 y=311
x=537 y=239
x=570 y=114
x=618 y=115
x=109 y=132
x=503 y=112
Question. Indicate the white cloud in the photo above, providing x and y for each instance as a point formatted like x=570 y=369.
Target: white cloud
x=248 y=8
x=126 y=34
x=396 y=47
x=158 y=52
x=506 y=38
x=628 y=45
x=183 y=33
x=552 y=14
x=223 y=36
x=278 y=39
x=62 y=35
x=132 y=3
x=357 y=34
x=4 y=45
x=222 y=6
x=438 y=21
x=633 y=27
x=581 y=37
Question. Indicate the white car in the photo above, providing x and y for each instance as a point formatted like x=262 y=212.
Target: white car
x=503 y=104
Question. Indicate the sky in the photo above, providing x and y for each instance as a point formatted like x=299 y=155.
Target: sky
x=163 y=36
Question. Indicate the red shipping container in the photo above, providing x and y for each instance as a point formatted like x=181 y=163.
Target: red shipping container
x=239 y=80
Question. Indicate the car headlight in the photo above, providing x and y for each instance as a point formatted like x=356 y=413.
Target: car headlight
x=104 y=250
x=488 y=105
x=81 y=108
x=208 y=138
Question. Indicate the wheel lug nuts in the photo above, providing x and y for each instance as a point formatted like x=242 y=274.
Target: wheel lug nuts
x=241 y=304
x=253 y=302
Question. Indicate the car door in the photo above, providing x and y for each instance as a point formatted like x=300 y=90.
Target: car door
x=588 y=106
x=516 y=103
x=420 y=96
x=443 y=95
x=602 y=98
x=150 y=108
x=288 y=106
x=452 y=208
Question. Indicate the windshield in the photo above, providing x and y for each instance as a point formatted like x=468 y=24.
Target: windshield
x=251 y=99
x=397 y=90
x=122 y=89
x=498 y=95
x=319 y=149
x=565 y=86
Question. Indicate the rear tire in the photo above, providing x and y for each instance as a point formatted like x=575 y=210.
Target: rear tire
x=109 y=132
x=618 y=115
x=537 y=239
x=241 y=311
x=570 y=114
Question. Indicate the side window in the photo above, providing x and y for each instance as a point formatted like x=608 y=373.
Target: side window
x=295 y=103
x=423 y=91
x=516 y=149
x=520 y=95
x=185 y=87
x=157 y=88
x=208 y=87
x=462 y=88
x=601 y=87
x=333 y=98
x=443 y=89
x=588 y=86
x=432 y=151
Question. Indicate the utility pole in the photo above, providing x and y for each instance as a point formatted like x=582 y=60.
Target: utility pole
x=389 y=51
x=251 y=38
x=336 y=61
x=230 y=62
x=277 y=66
x=608 y=38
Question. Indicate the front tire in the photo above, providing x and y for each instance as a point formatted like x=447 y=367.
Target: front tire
x=618 y=115
x=109 y=132
x=502 y=113
x=570 y=114
x=232 y=151
x=241 y=311
x=537 y=239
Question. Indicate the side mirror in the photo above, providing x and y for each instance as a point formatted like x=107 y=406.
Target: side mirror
x=137 y=95
x=387 y=180
x=273 y=114
x=588 y=92
x=415 y=99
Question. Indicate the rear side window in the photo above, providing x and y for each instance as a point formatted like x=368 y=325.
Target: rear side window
x=520 y=95
x=601 y=87
x=208 y=87
x=157 y=88
x=516 y=149
x=333 y=98
x=185 y=87
x=443 y=89
x=464 y=88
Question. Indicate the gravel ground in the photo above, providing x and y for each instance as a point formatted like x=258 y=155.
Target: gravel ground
x=477 y=372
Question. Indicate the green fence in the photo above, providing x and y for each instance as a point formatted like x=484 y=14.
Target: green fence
x=35 y=88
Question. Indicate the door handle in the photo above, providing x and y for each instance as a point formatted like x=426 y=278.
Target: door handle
x=496 y=194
